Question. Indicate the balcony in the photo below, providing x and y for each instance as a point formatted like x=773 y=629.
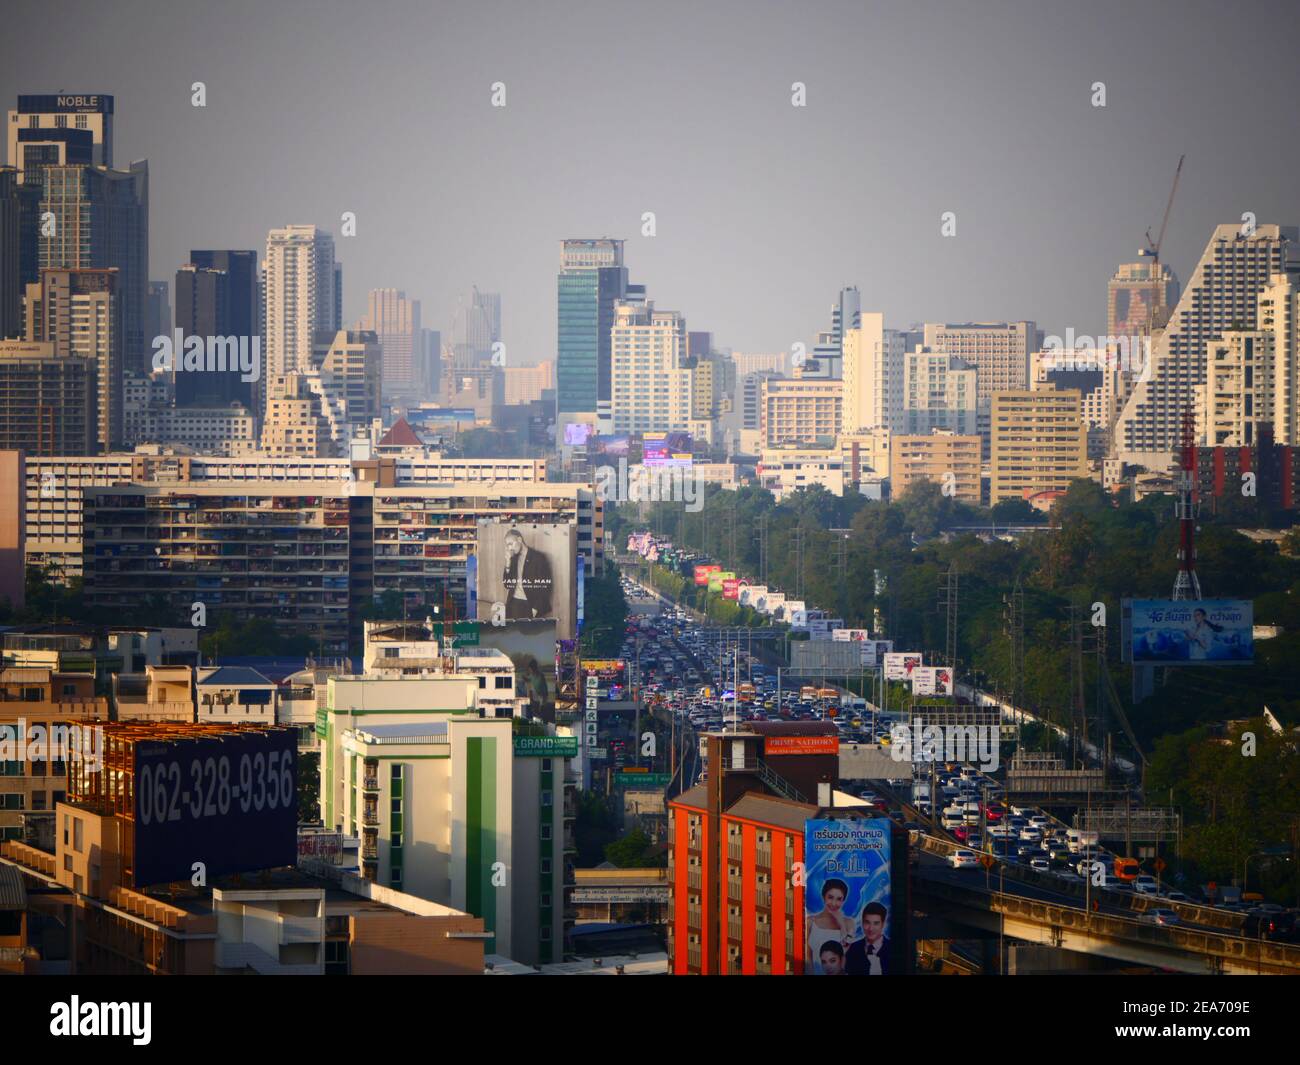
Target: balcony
x=298 y=929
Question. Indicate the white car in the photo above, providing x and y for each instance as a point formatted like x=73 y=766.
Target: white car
x=1145 y=885
x=1160 y=917
x=1040 y=865
x=963 y=860
x=1041 y=821
x=1030 y=834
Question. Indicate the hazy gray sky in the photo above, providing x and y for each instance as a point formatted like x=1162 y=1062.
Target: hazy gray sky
x=683 y=108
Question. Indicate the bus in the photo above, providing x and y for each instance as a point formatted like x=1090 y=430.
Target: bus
x=746 y=693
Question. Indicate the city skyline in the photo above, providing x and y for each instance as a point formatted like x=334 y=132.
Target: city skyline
x=1077 y=195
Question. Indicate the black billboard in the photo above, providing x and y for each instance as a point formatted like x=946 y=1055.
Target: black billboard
x=228 y=802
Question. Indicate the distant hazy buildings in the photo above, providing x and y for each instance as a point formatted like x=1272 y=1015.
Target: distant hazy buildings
x=999 y=351
x=395 y=320
x=216 y=296
x=826 y=358
x=1140 y=297
x=475 y=328
x=1221 y=296
x=525 y=384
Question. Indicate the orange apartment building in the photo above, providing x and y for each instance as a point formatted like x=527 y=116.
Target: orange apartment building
x=735 y=840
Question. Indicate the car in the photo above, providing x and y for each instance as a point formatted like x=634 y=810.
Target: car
x=1041 y=821
x=1145 y=885
x=1030 y=834
x=1176 y=896
x=963 y=859
x=1040 y=865
x=1160 y=916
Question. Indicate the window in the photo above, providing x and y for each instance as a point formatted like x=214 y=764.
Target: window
x=546 y=867
x=546 y=797
x=546 y=831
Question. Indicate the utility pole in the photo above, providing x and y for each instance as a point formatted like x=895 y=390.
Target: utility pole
x=948 y=600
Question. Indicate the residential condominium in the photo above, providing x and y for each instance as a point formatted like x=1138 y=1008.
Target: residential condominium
x=652 y=382
x=939 y=392
x=1039 y=443
x=999 y=351
x=48 y=402
x=449 y=805
x=950 y=460
x=76 y=311
x=800 y=412
x=54 y=485
x=309 y=555
x=873 y=375
x=1237 y=265
x=303 y=293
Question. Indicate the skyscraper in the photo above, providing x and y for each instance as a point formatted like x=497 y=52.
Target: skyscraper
x=100 y=221
x=396 y=321
x=873 y=375
x=651 y=387
x=216 y=295
x=592 y=280
x=11 y=282
x=1140 y=297
x=475 y=328
x=301 y=283
x=60 y=129
x=826 y=359
x=76 y=311
x=1221 y=295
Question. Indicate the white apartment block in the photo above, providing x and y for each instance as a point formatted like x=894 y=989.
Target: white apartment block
x=939 y=392
x=873 y=375
x=785 y=470
x=999 y=351
x=302 y=294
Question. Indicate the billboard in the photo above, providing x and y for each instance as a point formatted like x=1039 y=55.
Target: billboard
x=717 y=576
x=576 y=434
x=783 y=745
x=899 y=664
x=702 y=574
x=772 y=603
x=856 y=635
x=788 y=608
x=666 y=449
x=750 y=594
x=731 y=589
x=616 y=446
x=932 y=680
x=530 y=646
x=1216 y=632
x=847 y=896
x=527 y=572
x=228 y=803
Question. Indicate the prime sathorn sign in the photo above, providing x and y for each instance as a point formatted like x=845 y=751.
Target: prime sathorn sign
x=777 y=745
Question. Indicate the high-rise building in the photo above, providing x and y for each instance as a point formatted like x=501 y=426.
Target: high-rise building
x=302 y=286
x=76 y=311
x=48 y=402
x=592 y=280
x=651 y=382
x=525 y=384
x=1221 y=296
x=98 y=219
x=873 y=375
x=297 y=422
x=61 y=128
x=395 y=320
x=476 y=326
x=1140 y=297
x=11 y=242
x=1039 y=443
x=999 y=351
x=939 y=392
x=158 y=311
x=826 y=359
x=349 y=365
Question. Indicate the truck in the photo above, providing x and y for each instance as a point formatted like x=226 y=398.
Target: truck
x=1078 y=840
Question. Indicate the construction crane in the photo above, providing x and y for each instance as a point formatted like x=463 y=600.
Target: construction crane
x=1155 y=247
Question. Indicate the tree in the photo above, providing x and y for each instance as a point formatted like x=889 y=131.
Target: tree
x=629 y=852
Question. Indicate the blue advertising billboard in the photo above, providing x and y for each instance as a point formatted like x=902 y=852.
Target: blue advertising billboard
x=222 y=804
x=1216 y=632
x=847 y=896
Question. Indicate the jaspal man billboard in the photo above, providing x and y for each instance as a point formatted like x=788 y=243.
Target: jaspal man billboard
x=1194 y=631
